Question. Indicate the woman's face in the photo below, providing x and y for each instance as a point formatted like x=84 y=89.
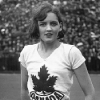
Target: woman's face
x=49 y=28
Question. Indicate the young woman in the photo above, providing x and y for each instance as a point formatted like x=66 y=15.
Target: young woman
x=47 y=67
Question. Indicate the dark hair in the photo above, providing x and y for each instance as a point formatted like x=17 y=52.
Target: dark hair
x=39 y=14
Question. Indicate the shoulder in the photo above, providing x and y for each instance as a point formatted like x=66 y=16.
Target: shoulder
x=75 y=50
x=28 y=48
x=70 y=48
x=72 y=51
x=67 y=47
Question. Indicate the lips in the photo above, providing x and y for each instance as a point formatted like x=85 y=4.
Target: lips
x=48 y=34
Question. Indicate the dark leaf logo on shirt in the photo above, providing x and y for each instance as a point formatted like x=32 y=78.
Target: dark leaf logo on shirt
x=44 y=83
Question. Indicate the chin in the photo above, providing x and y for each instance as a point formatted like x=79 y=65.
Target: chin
x=48 y=41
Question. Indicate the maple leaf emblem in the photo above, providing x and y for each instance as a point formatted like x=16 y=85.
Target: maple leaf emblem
x=44 y=83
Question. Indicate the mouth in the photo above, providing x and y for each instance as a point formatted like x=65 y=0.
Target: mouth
x=48 y=34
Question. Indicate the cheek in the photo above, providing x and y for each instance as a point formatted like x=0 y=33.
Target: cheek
x=41 y=31
x=41 y=34
x=57 y=30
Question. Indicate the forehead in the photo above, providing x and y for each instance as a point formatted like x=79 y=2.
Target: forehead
x=51 y=17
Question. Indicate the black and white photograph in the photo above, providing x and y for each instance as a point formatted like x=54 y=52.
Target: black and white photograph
x=49 y=49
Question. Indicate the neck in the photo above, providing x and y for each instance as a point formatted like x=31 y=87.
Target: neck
x=48 y=46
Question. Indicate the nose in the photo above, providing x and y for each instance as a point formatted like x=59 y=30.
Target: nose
x=48 y=28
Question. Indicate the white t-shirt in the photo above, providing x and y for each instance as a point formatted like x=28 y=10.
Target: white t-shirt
x=51 y=78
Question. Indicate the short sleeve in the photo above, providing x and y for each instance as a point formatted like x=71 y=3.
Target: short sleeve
x=22 y=57
x=76 y=57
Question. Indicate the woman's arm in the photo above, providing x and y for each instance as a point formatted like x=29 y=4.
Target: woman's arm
x=85 y=82
x=24 y=79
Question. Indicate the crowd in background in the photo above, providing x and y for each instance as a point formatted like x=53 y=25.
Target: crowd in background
x=82 y=28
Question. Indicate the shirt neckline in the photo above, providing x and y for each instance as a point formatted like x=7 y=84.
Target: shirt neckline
x=50 y=54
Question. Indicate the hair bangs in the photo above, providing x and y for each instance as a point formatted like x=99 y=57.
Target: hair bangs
x=43 y=13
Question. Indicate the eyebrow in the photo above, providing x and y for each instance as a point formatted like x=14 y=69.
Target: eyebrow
x=41 y=22
x=50 y=21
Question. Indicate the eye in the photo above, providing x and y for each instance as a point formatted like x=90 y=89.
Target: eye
x=42 y=24
x=54 y=23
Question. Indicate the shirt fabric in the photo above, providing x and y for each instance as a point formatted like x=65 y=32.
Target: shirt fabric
x=51 y=78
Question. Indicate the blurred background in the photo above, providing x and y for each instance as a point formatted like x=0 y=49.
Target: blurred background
x=81 y=24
